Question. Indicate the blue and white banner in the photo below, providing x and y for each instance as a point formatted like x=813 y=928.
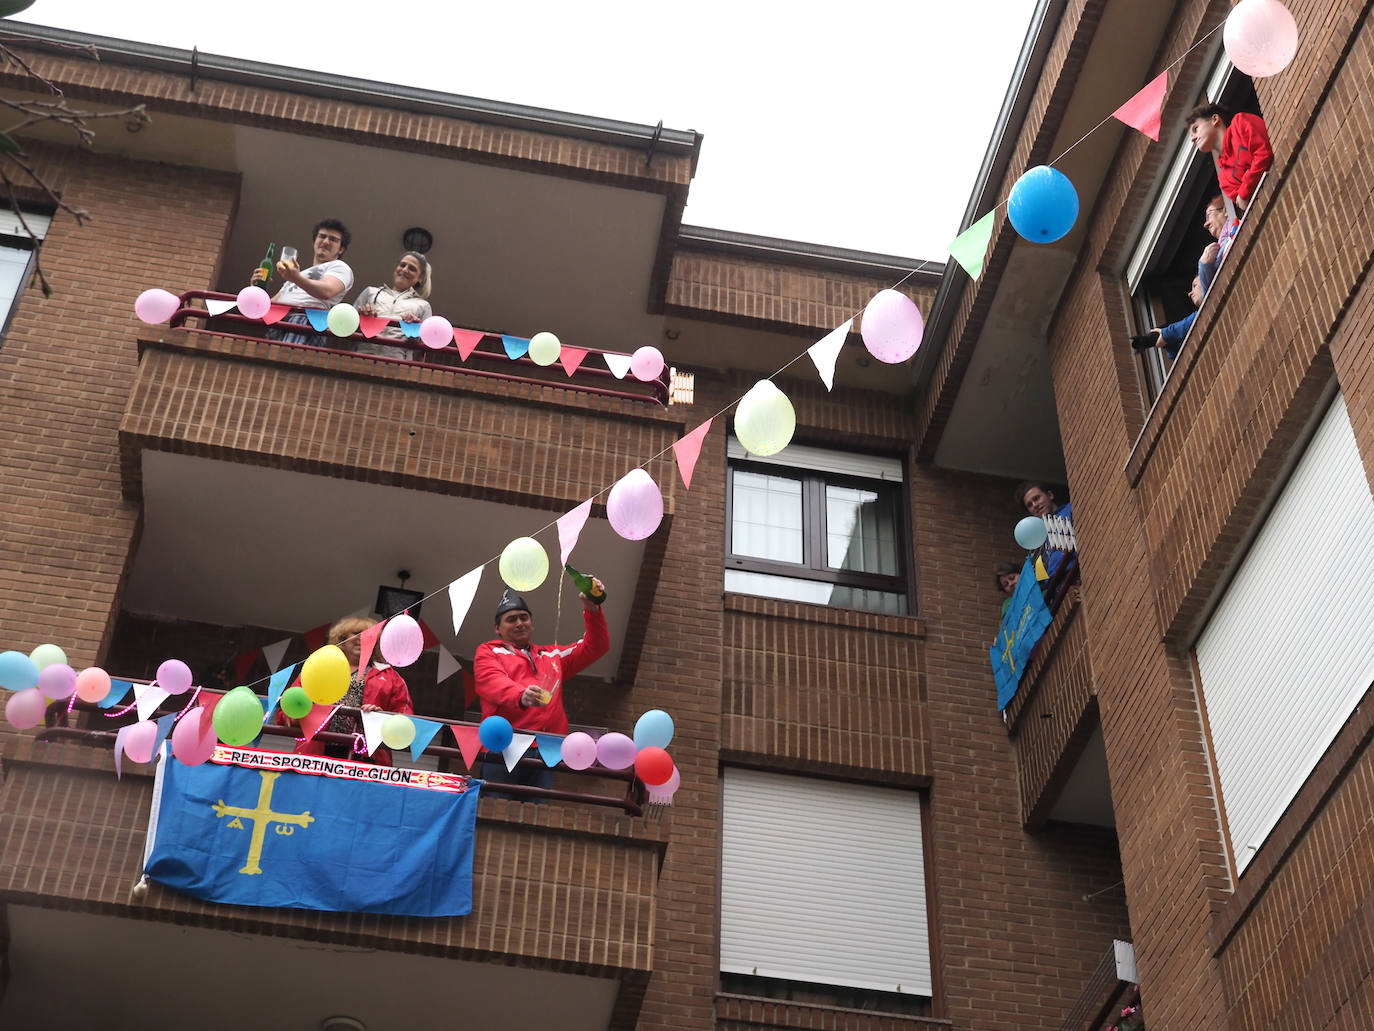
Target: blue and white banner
x=1026 y=620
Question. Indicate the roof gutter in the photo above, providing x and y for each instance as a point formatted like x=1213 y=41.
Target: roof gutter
x=809 y=255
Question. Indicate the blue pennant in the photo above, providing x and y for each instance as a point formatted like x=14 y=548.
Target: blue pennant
x=276 y=686
x=118 y=689
x=516 y=347
x=319 y=319
x=550 y=748
x=411 y=329
x=424 y=734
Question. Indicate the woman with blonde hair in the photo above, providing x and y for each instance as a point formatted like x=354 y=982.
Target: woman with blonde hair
x=404 y=299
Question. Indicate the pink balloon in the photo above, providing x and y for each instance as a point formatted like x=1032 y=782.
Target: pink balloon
x=193 y=738
x=646 y=364
x=25 y=708
x=139 y=741
x=579 y=750
x=436 y=332
x=635 y=505
x=615 y=751
x=1261 y=37
x=892 y=327
x=93 y=684
x=154 y=306
x=663 y=794
x=402 y=640
x=57 y=680
x=174 y=676
x=253 y=302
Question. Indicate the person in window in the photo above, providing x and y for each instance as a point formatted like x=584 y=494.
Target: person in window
x=1008 y=575
x=404 y=299
x=1171 y=337
x=1038 y=500
x=1217 y=221
x=1241 y=146
x=523 y=681
x=322 y=285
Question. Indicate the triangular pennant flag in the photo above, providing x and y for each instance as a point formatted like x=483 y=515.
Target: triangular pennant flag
x=149 y=696
x=519 y=744
x=467 y=341
x=318 y=319
x=164 y=727
x=826 y=351
x=550 y=749
x=570 y=528
x=619 y=364
x=314 y=720
x=571 y=358
x=468 y=742
x=243 y=662
x=372 y=729
x=460 y=595
x=688 y=450
x=1142 y=110
x=411 y=330
x=276 y=686
x=272 y=653
x=119 y=749
x=215 y=307
x=367 y=641
x=424 y=734
x=428 y=639
x=448 y=665
x=118 y=689
x=371 y=325
x=469 y=689
x=1041 y=573
x=516 y=347
x=275 y=313
x=971 y=246
x=314 y=639
x=208 y=701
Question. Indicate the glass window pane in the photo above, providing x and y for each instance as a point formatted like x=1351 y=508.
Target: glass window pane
x=814 y=592
x=861 y=532
x=766 y=517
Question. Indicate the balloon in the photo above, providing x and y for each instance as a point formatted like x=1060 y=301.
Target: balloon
x=295 y=702
x=654 y=729
x=402 y=640
x=765 y=419
x=579 y=750
x=1030 y=532
x=615 y=751
x=343 y=320
x=253 y=302
x=193 y=742
x=325 y=675
x=46 y=655
x=17 y=671
x=154 y=306
x=646 y=364
x=1260 y=37
x=635 y=505
x=653 y=766
x=436 y=332
x=495 y=733
x=57 y=681
x=238 y=716
x=139 y=741
x=1043 y=205
x=524 y=565
x=25 y=708
x=544 y=349
x=892 y=327
x=174 y=676
x=92 y=684
x=663 y=794
x=398 y=731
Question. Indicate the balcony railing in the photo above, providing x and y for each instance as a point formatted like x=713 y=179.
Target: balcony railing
x=478 y=363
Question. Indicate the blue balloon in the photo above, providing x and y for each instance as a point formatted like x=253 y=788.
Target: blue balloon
x=17 y=671
x=1031 y=533
x=1043 y=205
x=495 y=733
x=654 y=729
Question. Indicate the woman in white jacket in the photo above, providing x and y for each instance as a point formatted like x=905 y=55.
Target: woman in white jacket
x=404 y=299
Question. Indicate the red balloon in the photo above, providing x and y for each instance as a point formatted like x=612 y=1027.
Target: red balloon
x=654 y=766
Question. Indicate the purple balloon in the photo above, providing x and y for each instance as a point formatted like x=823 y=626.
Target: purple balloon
x=154 y=306
x=892 y=327
x=663 y=794
x=193 y=738
x=436 y=332
x=615 y=751
x=174 y=676
x=57 y=680
x=402 y=640
x=579 y=750
x=253 y=302
x=635 y=505
x=25 y=708
x=139 y=741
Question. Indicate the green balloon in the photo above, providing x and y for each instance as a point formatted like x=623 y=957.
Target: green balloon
x=238 y=717
x=296 y=703
x=343 y=320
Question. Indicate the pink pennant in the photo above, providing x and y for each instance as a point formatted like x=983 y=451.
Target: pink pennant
x=314 y=720
x=1142 y=110
x=467 y=341
x=688 y=450
x=571 y=357
x=276 y=313
x=371 y=325
x=570 y=528
x=367 y=641
x=468 y=742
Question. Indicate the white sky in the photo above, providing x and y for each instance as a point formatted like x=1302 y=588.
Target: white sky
x=858 y=124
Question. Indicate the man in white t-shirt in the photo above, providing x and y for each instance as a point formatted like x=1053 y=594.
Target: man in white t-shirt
x=322 y=285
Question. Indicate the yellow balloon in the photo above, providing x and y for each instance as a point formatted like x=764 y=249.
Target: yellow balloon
x=765 y=419
x=398 y=731
x=544 y=349
x=523 y=564
x=325 y=675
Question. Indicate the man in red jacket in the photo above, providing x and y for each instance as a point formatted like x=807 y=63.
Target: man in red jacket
x=1241 y=144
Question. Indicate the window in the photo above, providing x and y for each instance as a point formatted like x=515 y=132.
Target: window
x=821 y=527
x=823 y=883
x=1287 y=654
x=16 y=257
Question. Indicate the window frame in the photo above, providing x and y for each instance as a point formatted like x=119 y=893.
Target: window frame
x=14 y=237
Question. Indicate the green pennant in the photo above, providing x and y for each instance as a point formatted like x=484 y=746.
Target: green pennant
x=971 y=246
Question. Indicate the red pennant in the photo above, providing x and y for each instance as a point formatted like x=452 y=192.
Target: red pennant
x=571 y=357
x=314 y=720
x=467 y=341
x=371 y=325
x=688 y=450
x=430 y=640
x=314 y=639
x=209 y=699
x=367 y=641
x=468 y=742
x=275 y=313
x=244 y=662
x=1142 y=110
x=469 y=689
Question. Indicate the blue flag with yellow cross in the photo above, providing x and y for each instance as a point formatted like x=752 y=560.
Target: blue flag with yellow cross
x=1026 y=619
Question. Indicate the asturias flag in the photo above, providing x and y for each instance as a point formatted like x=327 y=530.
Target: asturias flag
x=1026 y=619
x=258 y=828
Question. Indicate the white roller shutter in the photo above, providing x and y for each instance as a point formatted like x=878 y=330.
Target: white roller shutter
x=823 y=460
x=823 y=882
x=1289 y=650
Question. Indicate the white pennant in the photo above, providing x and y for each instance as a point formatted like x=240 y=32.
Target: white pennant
x=272 y=653
x=448 y=665
x=149 y=696
x=519 y=744
x=460 y=595
x=619 y=364
x=826 y=351
x=218 y=307
x=372 y=729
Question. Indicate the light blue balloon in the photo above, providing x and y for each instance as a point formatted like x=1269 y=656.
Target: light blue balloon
x=1043 y=205
x=1031 y=533
x=17 y=671
x=654 y=729
x=495 y=733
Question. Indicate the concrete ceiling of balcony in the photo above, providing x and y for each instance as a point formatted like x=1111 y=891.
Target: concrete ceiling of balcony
x=233 y=544
x=218 y=980
x=1086 y=796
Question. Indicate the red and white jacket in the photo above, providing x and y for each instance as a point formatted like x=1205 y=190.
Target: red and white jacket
x=502 y=672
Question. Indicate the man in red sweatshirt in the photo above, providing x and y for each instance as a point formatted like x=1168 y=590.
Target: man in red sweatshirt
x=1241 y=145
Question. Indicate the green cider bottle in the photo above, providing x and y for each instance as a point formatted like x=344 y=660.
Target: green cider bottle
x=584 y=583
x=265 y=266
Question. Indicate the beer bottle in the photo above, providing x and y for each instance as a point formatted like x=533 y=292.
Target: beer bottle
x=265 y=266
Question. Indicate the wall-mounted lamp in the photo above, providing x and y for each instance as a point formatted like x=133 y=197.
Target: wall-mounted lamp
x=417 y=240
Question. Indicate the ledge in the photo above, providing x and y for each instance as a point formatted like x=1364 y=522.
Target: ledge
x=737 y=1011
x=856 y=619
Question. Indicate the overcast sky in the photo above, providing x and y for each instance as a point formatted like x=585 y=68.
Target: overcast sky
x=858 y=124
